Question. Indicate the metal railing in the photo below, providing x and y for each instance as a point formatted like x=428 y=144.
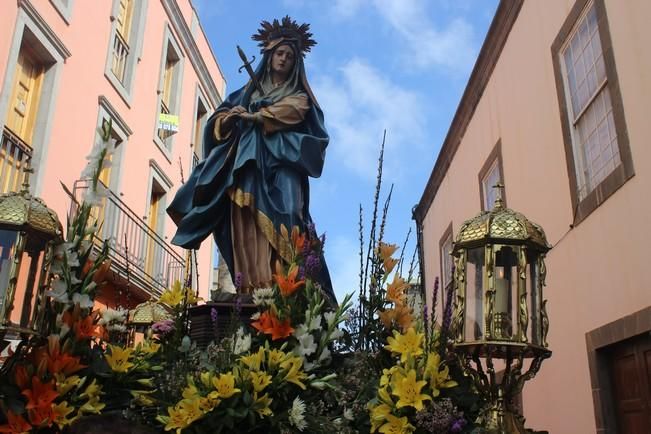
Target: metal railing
x=14 y=155
x=153 y=265
x=195 y=160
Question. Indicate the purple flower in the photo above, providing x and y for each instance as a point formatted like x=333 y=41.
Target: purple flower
x=312 y=264
x=458 y=425
x=163 y=327
x=238 y=280
x=238 y=305
x=214 y=315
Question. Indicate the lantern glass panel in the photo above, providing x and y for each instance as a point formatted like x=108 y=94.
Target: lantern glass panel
x=506 y=288
x=533 y=332
x=8 y=241
x=474 y=321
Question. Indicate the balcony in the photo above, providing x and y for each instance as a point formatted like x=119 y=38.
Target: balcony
x=14 y=156
x=151 y=262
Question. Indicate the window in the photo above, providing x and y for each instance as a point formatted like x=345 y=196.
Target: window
x=155 y=258
x=169 y=94
x=445 y=249
x=490 y=175
x=107 y=214
x=200 y=118
x=594 y=128
x=26 y=90
x=125 y=43
x=34 y=62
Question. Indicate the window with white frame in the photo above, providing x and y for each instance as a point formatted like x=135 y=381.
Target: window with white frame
x=488 y=185
x=169 y=93
x=128 y=22
x=589 y=105
x=446 y=262
x=200 y=119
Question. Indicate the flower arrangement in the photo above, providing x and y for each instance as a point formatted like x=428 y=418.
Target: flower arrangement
x=302 y=364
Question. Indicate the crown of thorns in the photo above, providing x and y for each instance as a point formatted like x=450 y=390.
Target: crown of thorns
x=287 y=29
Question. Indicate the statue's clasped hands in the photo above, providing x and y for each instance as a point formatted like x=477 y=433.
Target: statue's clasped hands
x=239 y=112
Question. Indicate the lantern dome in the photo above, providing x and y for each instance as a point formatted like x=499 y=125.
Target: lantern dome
x=22 y=210
x=503 y=225
x=148 y=313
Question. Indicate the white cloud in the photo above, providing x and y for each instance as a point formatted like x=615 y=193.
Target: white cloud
x=360 y=102
x=427 y=45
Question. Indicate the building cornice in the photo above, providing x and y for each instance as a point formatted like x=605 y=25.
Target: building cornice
x=192 y=50
x=52 y=38
x=505 y=16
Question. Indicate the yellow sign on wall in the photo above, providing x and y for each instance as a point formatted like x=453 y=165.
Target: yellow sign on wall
x=168 y=122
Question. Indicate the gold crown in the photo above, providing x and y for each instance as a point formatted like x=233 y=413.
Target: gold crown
x=287 y=30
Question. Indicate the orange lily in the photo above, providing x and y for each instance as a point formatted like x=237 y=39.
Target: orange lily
x=21 y=377
x=15 y=424
x=61 y=361
x=287 y=284
x=269 y=324
x=86 y=328
x=298 y=239
x=401 y=315
x=39 y=404
x=385 y=250
x=396 y=289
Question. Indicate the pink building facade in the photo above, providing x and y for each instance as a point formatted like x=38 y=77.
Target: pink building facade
x=69 y=66
x=556 y=109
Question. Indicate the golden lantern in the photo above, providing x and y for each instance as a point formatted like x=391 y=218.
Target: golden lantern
x=499 y=314
x=29 y=231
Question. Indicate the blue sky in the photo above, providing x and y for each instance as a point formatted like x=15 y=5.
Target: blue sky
x=399 y=65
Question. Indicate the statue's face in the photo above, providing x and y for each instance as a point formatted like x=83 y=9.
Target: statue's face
x=282 y=60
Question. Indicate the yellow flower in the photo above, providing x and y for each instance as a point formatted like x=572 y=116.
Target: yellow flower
x=148 y=347
x=224 y=386
x=143 y=398
x=65 y=384
x=383 y=394
x=206 y=378
x=208 y=404
x=183 y=414
x=60 y=412
x=438 y=378
x=407 y=389
x=118 y=360
x=408 y=344
x=260 y=380
x=294 y=372
x=261 y=405
x=175 y=295
x=93 y=390
x=378 y=415
x=172 y=296
x=190 y=392
x=389 y=265
x=92 y=406
x=255 y=360
x=275 y=358
x=396 y=425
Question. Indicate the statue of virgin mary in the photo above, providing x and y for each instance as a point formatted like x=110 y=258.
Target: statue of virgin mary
x=260 y=147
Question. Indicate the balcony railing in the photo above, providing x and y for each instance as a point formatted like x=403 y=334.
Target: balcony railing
x=153 y=265
x=195 y=160
x=14 y=155
x=120 y=55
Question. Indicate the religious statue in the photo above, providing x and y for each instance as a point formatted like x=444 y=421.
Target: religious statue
x=260 y=146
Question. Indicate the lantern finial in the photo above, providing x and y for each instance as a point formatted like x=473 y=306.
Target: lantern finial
x=499 y=202
x=27 y=170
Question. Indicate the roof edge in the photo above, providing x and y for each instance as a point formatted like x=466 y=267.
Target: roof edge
x=498 y=32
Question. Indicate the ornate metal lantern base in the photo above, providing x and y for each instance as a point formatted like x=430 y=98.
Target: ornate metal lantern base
x=501 y=416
